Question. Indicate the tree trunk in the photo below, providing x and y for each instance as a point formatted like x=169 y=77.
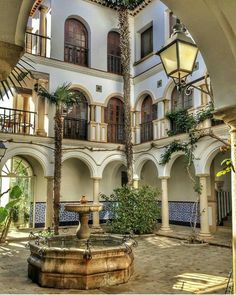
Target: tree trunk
x=58 y=133
x=125 y=64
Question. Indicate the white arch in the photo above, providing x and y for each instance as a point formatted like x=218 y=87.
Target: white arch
x=141 y=97
x=84 y=90
x=112 y=158
x=204 y=164
x=37 y=153
x=141 y=160
x=87 y=159
x=167 y=168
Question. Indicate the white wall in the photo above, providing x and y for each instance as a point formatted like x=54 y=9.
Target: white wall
x=180 y=187
x=76 y=181
x=99 y=22
x=149 y=175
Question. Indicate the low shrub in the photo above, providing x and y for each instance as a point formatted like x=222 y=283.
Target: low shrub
x=133 y=210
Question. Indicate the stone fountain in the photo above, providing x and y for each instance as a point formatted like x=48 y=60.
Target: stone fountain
x=83 y=261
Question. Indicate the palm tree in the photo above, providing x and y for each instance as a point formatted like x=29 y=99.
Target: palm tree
x=62 y=98
x=123 y=7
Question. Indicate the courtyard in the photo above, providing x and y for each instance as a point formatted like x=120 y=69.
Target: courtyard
x=162 y=265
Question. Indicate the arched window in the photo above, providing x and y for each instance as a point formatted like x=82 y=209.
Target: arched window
x=114 y=117
x=76 y=119
x=76 y=42
x=113 y=53
x=17 y=171
x=148 y=114
x=181 y=101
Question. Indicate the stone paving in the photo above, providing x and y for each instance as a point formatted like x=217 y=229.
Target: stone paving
x=162 y=265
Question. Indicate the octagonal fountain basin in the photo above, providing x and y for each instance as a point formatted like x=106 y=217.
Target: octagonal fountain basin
x=68 y=263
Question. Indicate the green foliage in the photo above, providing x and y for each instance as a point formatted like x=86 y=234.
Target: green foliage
x=184 y=122
x=227 y=167
x=174 y=146
x=15 y=199
x=63 y=96
x=124 y=4
x=133 y=210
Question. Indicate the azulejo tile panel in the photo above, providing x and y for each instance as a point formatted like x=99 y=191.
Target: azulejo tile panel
x=178 y=212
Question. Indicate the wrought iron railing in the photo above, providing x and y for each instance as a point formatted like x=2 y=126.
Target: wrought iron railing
x=115 y=133
x=76 y=54
x=224 y=206
x=75 y=128
x=114 y=64
x=37 y=44
x=146 y=131
x=17 y=121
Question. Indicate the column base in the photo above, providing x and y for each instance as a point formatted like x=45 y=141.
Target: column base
x=205 y=236
x=96 y=229
x=41 y=132
x=165 y=230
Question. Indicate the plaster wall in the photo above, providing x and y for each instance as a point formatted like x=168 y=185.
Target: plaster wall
x=39 y=181
x=149 y=176
x=76 y=181
x=98 y=20
x=180 y=187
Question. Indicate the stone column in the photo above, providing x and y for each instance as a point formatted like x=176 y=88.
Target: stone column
x=49 y=203
x=164 y=205
x=40 y=131
x=96 y=190
x=43 y=29
x=229 y=117
x=135 y=183
x=204 y=220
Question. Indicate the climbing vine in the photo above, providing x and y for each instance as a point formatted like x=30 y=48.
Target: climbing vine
x=183 y=122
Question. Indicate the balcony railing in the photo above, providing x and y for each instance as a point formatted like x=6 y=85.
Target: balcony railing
x=17 y=121
x=37 y=44
x=146 y=131
x=115 y=133
x=75 y=128
x=76 y=54
x=114 y=64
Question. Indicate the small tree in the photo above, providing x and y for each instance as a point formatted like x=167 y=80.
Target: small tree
x=6 y=213
x=133 y=210
x=62 y=97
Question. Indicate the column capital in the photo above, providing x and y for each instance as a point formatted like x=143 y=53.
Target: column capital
x=203 y=175
x=228 y=115
x=49 y=177
x=43 y=9
x=96 y=178
x=164 y=177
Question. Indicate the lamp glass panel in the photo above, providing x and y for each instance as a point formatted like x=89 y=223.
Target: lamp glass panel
x=169 y=59
x=187 y=56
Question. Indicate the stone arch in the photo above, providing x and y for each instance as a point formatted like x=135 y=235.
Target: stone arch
x=168 y=166
x=114 y=94
x=141 y=97
x=85 y=91
x=87 y=159
x=37 y=153
x=112 y=158
x=203 y=166
x=140 y=162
